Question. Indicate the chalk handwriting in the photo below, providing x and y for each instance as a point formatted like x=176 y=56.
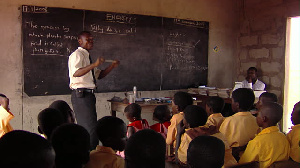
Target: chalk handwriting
x=176 y=34
x=48 y=39
x=34 y=9
x=31 y=24
x=120 y=18
x=198 y=24
x=112 y=30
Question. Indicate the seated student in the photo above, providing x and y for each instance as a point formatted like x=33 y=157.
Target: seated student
x=194 y=120
x=133 y=114
x=251 y=80
x=294 y=135
x=270 y=145
x=161 y=114
x=241 y=127
x=145 y=149
x=214 y=107
x=264 y=98
x=5 y=115
x=111 y=132
x=71 y=143
x=48 y=120
x=63 y=107
x=206 y=152
x=180 y=101
x=25 y=149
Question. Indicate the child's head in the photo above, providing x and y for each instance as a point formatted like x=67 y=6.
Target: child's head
x=242 y=99
x=111 y=132
x=71 y=143
x=162 y=113
x=145 y=149
x=25 y=149
x=4 y=101
x=133 y=112
x=269 y=114
x=48 y=120
x=194 y=116
x=214 y=104
x=206 y=152
x=266 y=97
x=180 y=101
x=63 y=107
x=295 y=114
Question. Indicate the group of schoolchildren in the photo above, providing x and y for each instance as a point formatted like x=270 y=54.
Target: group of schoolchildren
x=192 y=137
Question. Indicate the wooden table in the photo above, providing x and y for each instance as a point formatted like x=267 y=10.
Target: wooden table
x=146 y=107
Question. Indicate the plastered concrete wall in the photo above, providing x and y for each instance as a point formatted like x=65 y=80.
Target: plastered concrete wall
x=261 y=39
x=222 y=16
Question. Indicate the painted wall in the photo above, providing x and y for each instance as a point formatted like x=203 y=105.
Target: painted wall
x=222 y=15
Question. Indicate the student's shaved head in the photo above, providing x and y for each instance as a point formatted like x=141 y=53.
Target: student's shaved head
x=273 y=111
x=296 y=113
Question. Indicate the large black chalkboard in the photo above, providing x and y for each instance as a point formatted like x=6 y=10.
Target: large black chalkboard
x=155 y=52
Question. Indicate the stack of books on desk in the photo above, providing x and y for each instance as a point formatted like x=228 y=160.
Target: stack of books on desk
x=224 y=93
x=200 y=91
x=212 y=92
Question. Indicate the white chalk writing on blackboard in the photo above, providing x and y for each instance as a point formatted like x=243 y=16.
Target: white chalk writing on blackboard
x=120 y=18
x=112 y=30
x=192 y=23
x=35 y=9
x=176 y=34
x=43 y=42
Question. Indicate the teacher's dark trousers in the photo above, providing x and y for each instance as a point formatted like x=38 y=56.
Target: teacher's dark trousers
x=85 y=112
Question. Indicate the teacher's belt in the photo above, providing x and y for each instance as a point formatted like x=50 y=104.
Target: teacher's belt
x=86 y=90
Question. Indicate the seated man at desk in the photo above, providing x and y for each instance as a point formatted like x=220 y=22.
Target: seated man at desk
x=251 y=81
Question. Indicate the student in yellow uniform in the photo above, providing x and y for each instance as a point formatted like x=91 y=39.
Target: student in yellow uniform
x=264 y=98
x=180 y=101
x=111 y=132
x=5 y=115
x=294 y=135
x=214 y=107
x=194 y=120
x=270 y=145
x=241 y=127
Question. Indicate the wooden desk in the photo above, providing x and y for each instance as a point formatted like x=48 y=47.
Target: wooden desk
x=146 y=107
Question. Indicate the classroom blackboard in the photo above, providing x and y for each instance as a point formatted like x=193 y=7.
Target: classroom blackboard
x=156 y=53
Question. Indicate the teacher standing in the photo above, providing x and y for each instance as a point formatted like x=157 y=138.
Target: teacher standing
x=83 y=75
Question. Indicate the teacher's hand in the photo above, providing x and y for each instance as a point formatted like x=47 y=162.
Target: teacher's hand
x=115 y=63
x=99 y=61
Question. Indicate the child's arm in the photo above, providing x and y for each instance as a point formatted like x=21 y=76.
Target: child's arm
x=181 y=130
x=130 y=131
x=171 y=132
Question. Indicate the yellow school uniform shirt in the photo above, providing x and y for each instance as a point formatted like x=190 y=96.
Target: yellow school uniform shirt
x=172 y=129
x=103 y=157
x=239 y=129
x=229 y=160
x=269 y=146
x=5 y=117
x=294 y=138
x=215 y=119
x=184 y=145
